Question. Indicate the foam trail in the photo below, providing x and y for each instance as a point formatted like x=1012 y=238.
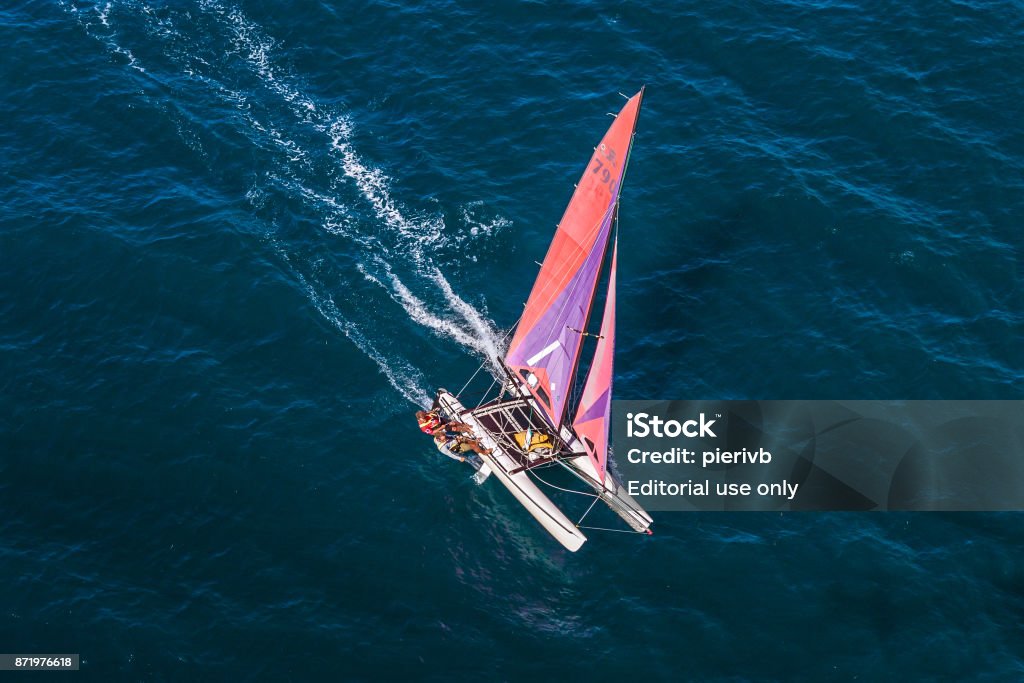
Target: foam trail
x=373 y=184
x=256 y=48
x=407 y=380
x=418 y=311
x=103 y=14
x=480 y=227
x=484 y=328
x=414 y=235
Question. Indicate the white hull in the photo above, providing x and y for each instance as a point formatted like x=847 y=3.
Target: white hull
x=520 y=483
x=612 y=492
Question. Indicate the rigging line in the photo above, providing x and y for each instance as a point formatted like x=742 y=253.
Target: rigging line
x=511 y=329
x=618 y=531
x=470 y=380
x=593 y=482
x=483 y=398
x=483 y=395
x=488 y=361
x=554 y=486
x=592 y=504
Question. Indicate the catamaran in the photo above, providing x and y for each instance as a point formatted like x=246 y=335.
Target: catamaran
x=523 y=418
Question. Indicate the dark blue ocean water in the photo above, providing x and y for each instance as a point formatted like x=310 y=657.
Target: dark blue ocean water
x=241 y=241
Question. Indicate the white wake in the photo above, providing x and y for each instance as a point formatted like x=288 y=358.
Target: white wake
x=411 y=237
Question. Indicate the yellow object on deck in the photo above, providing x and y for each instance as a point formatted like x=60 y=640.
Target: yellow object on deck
x=538 y=440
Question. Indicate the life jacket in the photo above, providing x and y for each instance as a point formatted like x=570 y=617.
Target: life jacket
x=539 y=441
x=430 y=425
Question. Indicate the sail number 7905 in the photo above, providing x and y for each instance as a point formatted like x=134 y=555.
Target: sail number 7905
x=604 y=174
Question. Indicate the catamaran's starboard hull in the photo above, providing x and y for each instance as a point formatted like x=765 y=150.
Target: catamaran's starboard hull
x=611 y=491
x=517 y=480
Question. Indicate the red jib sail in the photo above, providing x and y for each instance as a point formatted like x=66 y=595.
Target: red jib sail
x=545 y=349
x=594 y=412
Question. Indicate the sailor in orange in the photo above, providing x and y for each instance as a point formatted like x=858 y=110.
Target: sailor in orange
x=428 y=422
x=431 y=421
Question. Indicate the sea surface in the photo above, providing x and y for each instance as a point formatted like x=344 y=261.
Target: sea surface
x=241 y=241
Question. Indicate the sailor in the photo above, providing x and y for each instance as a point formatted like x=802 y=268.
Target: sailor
x=447 y=446
x=428 y=421
x=464 y=444
x=431 y=421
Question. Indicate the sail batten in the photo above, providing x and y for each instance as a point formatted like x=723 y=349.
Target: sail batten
x=544 y=352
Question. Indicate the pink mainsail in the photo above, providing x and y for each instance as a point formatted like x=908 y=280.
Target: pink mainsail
x=545 y=349
x=594 y=413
